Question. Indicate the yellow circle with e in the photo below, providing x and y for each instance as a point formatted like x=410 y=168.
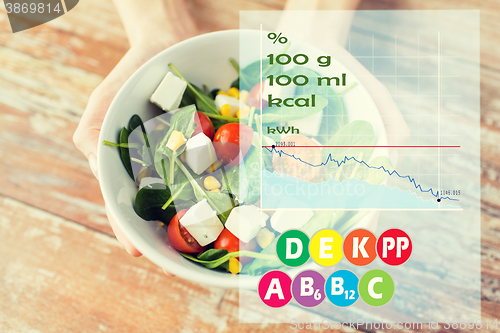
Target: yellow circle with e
x=325 y=247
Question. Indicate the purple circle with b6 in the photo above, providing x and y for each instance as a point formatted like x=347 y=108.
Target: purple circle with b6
x=308 y=288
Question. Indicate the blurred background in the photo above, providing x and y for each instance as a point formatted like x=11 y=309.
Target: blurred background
x=61 y=268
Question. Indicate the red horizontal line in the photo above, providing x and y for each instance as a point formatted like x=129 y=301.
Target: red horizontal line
x=362 y=146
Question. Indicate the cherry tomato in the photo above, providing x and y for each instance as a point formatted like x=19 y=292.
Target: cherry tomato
x=231 y=243
x=232 y=141
x=203 y=123
x=291 y=166
x=180 y=238
x=228 y=241
x=255 y=96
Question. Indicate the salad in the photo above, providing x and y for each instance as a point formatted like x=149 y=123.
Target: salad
x=198 y=165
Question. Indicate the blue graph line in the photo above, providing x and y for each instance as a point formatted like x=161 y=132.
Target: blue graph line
x=344 y=161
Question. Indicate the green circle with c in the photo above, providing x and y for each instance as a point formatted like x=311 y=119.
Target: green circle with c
x=376 y=287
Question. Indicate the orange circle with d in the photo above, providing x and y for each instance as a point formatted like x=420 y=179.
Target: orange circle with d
x=360 y=247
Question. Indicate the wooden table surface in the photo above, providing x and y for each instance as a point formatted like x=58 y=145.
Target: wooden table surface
x=61 y=268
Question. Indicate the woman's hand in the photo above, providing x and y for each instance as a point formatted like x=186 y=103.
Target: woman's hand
x=150 y=30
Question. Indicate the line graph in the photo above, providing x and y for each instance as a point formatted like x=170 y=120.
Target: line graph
x=378 y=146
x=339 y=163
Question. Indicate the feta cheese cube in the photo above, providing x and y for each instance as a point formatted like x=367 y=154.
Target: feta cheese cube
x=202 y=223
x=284 y=219
x=245 y=222
x=308 y=125
x=277 y=91
x=234 y=103
x=169 y=93
x=200 y=153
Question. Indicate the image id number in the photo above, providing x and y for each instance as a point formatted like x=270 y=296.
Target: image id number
x=33 y=7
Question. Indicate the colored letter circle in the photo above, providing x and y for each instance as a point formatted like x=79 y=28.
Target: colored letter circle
x=292 y=248
x=274 y=289
x=359 y=247
x=341 y=288
x=308 y=288
x=394 y=247
x=376 y=287
x=325 y=247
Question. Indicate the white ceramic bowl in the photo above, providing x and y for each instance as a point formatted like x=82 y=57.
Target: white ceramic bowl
x=202 y=60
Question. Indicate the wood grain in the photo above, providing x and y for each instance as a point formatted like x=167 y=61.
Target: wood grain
x=59 y=276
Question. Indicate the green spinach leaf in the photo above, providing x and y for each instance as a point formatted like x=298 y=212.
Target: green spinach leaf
x=244 y=179
x=134 y=122
x=124 y=152
x=219 y=261
x=188 y=98
x=150 y=199
x=164 y=157
x=216 y=201
x=204 y=102
x=214 y=254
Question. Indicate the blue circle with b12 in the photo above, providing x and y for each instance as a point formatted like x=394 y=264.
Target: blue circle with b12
x=341 y=288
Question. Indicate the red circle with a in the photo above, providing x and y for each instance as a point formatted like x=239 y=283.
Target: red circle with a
x=275 y=289
x=359 y=247
x=394 y=247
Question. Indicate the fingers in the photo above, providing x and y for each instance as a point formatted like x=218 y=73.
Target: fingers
x=125 y=242
x=86 y=136
x=121 y=237
x=87 y=133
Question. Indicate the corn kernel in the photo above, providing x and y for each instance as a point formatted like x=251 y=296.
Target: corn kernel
x=221 y=92
x=244 y=96
x=234 y=92
x=211 y=183
x=213 y=167
x=234 y=266
x=217 y=190
x=176 y=140
x=160 y=224
x=265 y=237
x=225 y=110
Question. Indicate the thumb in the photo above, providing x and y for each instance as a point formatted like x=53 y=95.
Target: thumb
x=86 y=136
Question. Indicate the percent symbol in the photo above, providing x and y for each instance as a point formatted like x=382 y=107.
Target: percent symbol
x=277 y=38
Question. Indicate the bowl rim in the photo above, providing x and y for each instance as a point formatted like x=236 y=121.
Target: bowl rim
x=221 y=279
